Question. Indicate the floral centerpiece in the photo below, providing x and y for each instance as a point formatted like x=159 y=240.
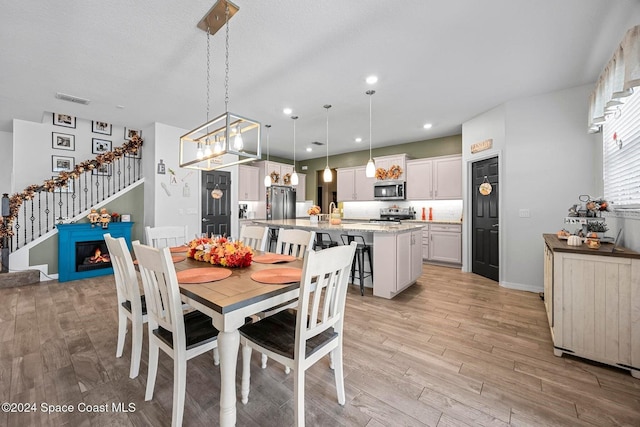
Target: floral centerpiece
x=221 y=251
x=313 y=212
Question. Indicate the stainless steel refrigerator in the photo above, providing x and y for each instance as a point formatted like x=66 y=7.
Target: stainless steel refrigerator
x=281 y=202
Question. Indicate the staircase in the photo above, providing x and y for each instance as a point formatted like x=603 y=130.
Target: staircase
x=93 y=188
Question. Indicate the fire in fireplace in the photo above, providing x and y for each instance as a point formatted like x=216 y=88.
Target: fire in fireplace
x=92 y=255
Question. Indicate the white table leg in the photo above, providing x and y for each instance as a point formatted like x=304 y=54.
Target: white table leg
x=228 y=344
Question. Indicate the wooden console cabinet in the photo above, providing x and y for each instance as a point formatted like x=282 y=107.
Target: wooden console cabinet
x=592 y=299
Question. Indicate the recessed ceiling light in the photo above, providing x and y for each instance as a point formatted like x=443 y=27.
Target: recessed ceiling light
x=309 y=149
x=358 y=139
x=427 y=126
x=372 y=79
x=287 y=111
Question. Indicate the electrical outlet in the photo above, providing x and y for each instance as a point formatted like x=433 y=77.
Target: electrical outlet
x=524 y=213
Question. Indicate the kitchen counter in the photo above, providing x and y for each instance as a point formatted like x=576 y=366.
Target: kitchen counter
x=345 y=226
x=560 y=245
x=411 y=221
x=396 y=250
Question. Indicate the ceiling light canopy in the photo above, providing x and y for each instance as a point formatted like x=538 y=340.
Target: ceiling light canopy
x=229 y=133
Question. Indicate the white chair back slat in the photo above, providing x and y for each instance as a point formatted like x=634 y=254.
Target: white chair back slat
x=294 y=242
x=166 y=236
x=254 y=236
x=123 y=269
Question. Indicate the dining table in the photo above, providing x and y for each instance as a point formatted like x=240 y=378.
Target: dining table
x=229 y=302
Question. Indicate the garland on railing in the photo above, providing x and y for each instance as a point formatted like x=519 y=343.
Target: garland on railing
x=16 y=200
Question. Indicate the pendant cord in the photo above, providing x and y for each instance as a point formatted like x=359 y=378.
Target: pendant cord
x=327 y=107
x=208 y=71
x=370 y=94
x=226 y=70
x=268 y=128
x=294 y=141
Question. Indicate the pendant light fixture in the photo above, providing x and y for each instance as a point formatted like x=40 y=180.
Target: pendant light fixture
x=328 y=176
x=370 y=171
x=233 y=134
x=267 y=177
x=294 y=175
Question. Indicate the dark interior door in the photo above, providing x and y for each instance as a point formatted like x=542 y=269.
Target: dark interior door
x=485 y=220
x=216 y=213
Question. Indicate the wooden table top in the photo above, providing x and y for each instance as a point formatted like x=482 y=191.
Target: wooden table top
x=236 y=291
x=606 y=249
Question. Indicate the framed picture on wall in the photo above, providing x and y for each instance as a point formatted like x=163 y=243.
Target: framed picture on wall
x=100 y=146
x=101 y=127
x=104 y=170
x=64 y=120
x=62 y=163
x=63 y=141
x=130 y=133
x=69 y=188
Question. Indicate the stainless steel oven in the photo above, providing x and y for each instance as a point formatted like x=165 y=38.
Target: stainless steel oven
x=389 y=190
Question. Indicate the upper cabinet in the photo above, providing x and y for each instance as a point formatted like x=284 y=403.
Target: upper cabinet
x=385 y=162
x=301 y=188
x=438 y=178
x=248 y=183
x=277 y=171
x=353 y=184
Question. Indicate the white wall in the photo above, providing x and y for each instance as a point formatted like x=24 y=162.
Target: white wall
x=174 y=205
x=6 y=162
x=547 y=160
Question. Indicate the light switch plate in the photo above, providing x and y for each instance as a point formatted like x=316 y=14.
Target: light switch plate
x=524 y=213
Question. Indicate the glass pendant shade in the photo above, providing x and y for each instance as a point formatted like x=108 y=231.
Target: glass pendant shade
x=328 y=176
x=294 y=178
x=238 y=143
x=370 y=171
x=267 y=181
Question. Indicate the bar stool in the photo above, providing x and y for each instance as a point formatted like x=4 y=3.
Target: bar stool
x=359 y=258
x=323 y=241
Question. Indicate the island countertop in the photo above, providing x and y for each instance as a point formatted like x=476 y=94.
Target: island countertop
x=305 y=224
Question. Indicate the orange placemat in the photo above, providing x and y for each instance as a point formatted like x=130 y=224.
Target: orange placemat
x=273 y=258
x=202 y=275
x=278 y=275
x=174 y=258
x=178 y=249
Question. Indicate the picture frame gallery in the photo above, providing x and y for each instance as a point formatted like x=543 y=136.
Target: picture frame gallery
x=101 y=127
x=64 y=120
x=62 y=163
x=100 y=146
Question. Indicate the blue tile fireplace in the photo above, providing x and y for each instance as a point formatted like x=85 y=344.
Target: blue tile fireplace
x=82 y=252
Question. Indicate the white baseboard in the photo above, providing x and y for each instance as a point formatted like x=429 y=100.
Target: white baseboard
x=522 y=287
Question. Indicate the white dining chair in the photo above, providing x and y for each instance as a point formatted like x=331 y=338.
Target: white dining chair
x=131 y=304
x=166 y=236
x=300 y=338
x=181 y=335
x=254 y=236
x=294 y=242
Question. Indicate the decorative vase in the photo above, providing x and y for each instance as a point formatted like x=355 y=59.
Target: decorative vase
x=313 y=219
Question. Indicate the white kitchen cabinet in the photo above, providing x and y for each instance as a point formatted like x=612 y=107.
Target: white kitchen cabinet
x=301 y=188
x=445 y=243
x=248 y=183
x=447 y=178
x=386 y=162
x=593 y=297
x=437 y=178
x=419 y=179
x=267 y=168
x=425 y=242
x=401 y=256
x=284 y=170
x=353 y=184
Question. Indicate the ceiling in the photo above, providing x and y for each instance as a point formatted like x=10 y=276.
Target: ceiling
x=441 y=62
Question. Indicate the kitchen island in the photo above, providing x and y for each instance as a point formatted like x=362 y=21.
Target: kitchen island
x=397 y=250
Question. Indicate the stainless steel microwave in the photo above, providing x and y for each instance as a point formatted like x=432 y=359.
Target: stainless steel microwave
x=389 y=190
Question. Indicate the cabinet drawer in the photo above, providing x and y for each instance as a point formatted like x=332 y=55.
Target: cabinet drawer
x=454 y=228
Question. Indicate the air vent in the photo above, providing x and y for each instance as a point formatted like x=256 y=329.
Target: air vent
x=72 y=98
x=317 y=143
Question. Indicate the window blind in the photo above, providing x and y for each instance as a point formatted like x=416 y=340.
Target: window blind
x=621 y=155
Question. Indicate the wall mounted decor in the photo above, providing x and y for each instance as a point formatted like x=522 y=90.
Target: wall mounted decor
x=63 y=141
x=100 y=146
x=64 y=120
x=101 y=127
x=62 y=164
x=130 y=133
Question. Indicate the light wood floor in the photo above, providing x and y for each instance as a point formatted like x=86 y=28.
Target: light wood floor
x=454 y=349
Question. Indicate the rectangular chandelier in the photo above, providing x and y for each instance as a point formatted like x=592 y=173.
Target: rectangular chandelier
x=202 y=148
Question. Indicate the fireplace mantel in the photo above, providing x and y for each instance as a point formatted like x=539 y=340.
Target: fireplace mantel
x=69 y=234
